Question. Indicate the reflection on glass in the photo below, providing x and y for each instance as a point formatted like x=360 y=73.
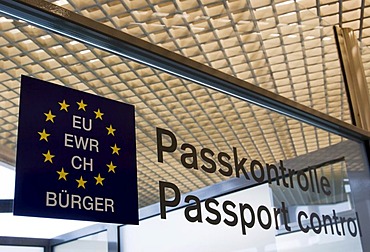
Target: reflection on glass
x=311 y=208
x=96 y=242
x=20 y=249
x=321 y=215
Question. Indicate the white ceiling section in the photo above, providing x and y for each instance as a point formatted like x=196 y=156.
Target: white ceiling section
x=286 y=47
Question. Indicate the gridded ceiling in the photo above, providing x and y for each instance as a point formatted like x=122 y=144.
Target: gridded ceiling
x=286 y=47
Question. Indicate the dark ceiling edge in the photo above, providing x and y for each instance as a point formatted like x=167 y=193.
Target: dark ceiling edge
x=59 y=20
x=6 y=205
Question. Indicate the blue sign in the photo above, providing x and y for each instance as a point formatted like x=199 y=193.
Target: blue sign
x=76 y=155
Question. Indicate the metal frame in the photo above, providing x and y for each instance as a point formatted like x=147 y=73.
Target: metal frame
x=354 y=76
x=48 y=244
x=112 y=233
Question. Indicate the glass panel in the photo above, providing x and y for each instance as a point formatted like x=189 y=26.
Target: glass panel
x=96 y=242
x=310 y=208
x=161 y=100
x=211 y=130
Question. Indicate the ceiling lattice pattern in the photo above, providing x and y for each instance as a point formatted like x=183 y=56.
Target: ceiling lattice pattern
x=286 y=47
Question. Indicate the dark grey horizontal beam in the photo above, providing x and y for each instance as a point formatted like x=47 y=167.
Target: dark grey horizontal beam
x=25 y=242
x=77 y=234
x=61 y=21
x=6 y=206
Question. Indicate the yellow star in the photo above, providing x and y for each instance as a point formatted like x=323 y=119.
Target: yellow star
x=115 y=149
x=44 y=135
x=48 y=157
x=111 y=167
x=49 y=116
x=111 y=130
x=99 y=114
x=63 y=105
x=81 y=105
x=81 y=182
x=99 y=180
x=62 y=174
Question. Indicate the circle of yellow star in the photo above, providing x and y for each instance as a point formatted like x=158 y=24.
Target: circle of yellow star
x=111 y=167
x=99 y=179
x=115 y=149
x=62 y=174
x=44 y=135
x=63 y=105
x=81 y=182
x=48 y=157
x=82 y=105
x=111 y=130
x=49 y=116
x=98 y=114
